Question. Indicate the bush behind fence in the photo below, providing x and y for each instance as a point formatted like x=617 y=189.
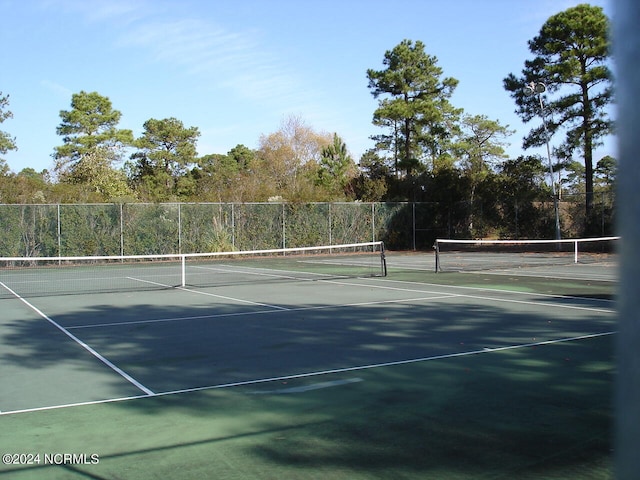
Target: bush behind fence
x=141 y=229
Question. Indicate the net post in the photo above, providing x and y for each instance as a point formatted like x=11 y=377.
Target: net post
x=575 y=252
x=436 y=247
x=383 y=260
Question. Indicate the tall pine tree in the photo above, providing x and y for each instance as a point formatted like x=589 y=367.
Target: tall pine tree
x=413 y=106
x=571 y=57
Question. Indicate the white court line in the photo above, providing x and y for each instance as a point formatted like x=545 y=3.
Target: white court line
x=257 y=312
x=486 y=289
x=439 y=295
x=307 y=388
x=319 y=373
x=378 y=279
x=493 y=290
x=557 y=276
x=208 y=294
x=387 y=364
x=116 y=369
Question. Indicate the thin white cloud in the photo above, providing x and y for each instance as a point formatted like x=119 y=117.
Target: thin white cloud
x=189 y=42
x=232 y=59
x=57 y=89
x=102 y=10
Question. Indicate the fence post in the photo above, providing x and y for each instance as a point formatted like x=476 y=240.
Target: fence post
x=121 y=229
x=602 y=212
x=179 y=227
x=516 y=211
x=330 y=224
x=59 y=233
x=373 y=221
x=233 y=225
x=413 y=222
x=284 y=227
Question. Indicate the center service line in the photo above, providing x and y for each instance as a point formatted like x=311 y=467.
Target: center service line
x=208 y=294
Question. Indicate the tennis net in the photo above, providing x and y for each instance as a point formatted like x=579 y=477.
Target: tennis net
x=42 y=276
x=469 y=255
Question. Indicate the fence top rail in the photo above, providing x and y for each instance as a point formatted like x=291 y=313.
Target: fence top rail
x=570 y=197
x=195 y=203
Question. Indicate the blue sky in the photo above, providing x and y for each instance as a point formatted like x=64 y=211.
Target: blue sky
x=236 y=69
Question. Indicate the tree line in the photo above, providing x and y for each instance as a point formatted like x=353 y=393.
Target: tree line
x=427 y=149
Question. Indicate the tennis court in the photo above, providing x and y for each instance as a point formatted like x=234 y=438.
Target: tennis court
x=262 y=371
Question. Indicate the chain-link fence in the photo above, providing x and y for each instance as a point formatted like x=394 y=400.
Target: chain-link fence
x=139 y=229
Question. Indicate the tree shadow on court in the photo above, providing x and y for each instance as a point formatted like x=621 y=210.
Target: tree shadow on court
x=404 y=389
x=483 y=417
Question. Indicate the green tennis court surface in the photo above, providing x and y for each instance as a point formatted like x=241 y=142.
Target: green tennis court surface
x=491 y=374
